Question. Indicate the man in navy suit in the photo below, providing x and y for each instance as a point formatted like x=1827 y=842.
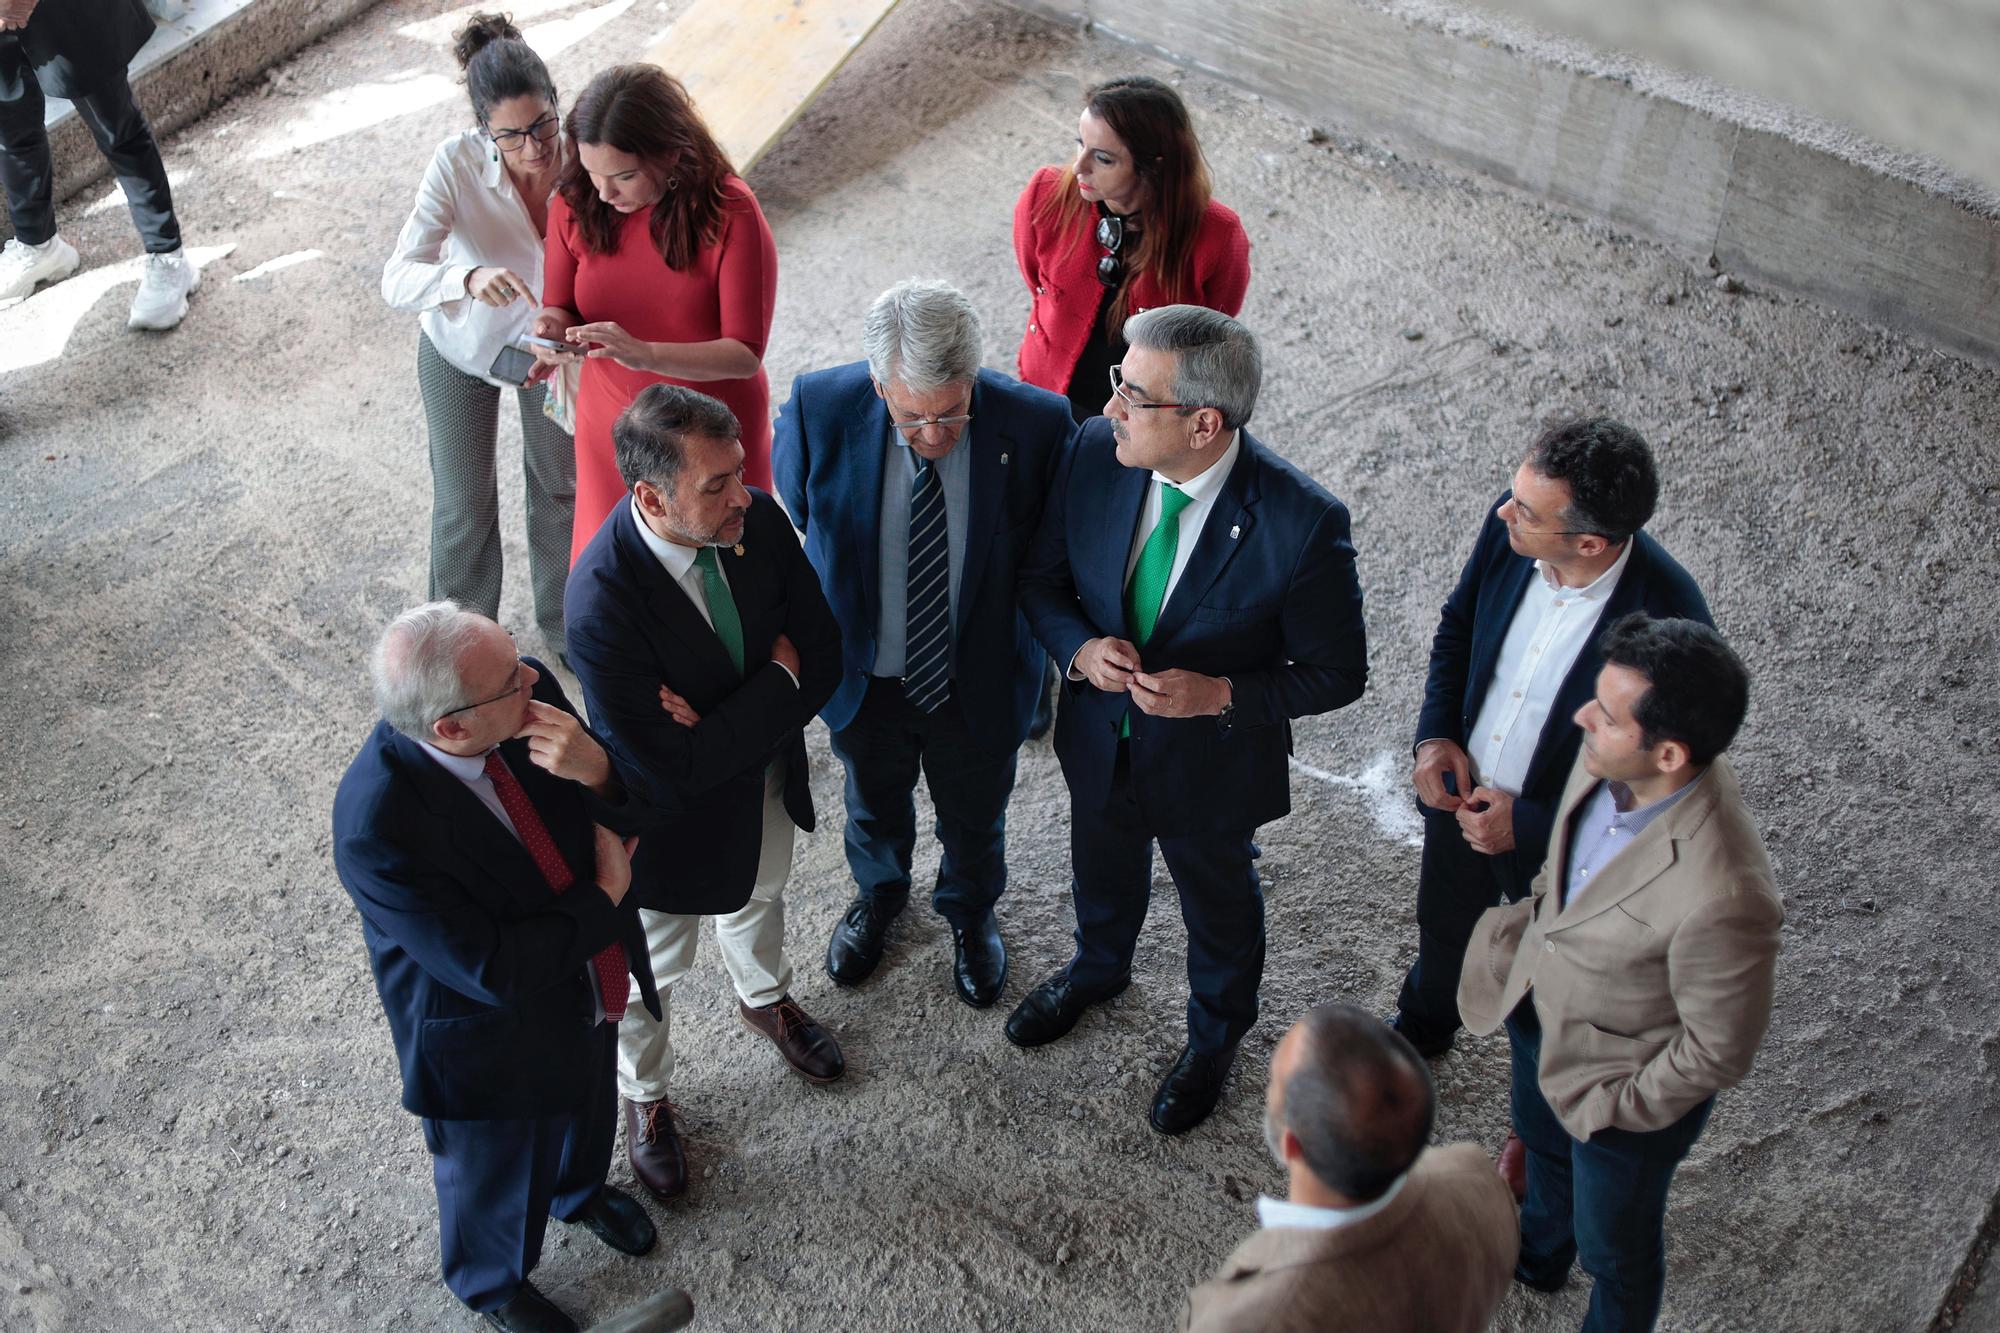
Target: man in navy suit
x=704 y=646
x=1201 y=593
x=918 y=479
x=1561 y=557
x=470 y=832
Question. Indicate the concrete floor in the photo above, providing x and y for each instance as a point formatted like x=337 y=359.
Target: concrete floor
x=201 y=533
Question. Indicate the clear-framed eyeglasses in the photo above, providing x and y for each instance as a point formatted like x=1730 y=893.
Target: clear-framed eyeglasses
x=1118 y=387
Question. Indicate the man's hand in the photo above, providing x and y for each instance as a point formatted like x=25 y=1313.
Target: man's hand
x=14 y=14
x=1107 y=663
x=678 y=708
x=1486 y=818
x=785 y=655
x=1179 y=693
x=558 y=744
x=1435 y=758
x=614 y=863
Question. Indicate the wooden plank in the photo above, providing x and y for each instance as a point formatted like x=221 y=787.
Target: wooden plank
x=753 y=66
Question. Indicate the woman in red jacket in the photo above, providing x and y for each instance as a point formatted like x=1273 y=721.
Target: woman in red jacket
x=1126 y=226
x=659 y=260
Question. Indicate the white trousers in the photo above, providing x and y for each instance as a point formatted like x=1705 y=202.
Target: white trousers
x=752 y=940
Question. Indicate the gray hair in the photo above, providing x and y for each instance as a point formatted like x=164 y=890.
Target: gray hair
x=1216 y=362
x=415 y=665
x=922 y=335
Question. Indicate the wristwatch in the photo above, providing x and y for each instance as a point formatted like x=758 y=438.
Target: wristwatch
x=1227 y=716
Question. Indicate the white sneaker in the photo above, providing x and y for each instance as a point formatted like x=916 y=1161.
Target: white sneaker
x=23 y=265
x=162 y=301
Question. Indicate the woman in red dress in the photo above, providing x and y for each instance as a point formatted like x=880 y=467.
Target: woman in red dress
x=1127 y=225
x=660 y=262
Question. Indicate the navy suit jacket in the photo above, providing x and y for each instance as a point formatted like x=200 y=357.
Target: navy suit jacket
x=632 y=629
x=1473 y=626
x=827 y=455
x=1268 y=598
x=480 y=965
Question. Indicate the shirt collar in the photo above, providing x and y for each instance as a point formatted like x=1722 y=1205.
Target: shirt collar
x=1598 y=588
x=1210 y=481
x=1636 y=820
x=676 y=559
x=464 y=767
x=1283 y=1213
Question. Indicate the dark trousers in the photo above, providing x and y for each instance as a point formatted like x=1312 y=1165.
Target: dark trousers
x=887 y=744
x=1111 y=857
x=1454 y=885
x=499 y=1182
x=1603 y=1200
x=122 y=135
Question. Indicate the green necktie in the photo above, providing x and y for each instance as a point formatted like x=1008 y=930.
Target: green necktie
x=1147 y=592
x=722 y=607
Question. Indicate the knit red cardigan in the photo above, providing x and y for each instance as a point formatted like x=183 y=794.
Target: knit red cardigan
x=1062 y=278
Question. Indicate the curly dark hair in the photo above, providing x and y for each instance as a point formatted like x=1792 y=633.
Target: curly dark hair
x=644 y=111
x=1698 y=688
x=1608 y=468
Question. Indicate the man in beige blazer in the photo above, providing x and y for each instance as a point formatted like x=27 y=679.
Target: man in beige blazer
x=1376 y=1234
x=1635 y=983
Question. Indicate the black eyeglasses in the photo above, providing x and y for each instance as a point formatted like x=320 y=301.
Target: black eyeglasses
x=1111 y=235
x=513 y=141
x=512 y=689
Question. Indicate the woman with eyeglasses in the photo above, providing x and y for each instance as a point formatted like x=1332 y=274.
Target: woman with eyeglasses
x=660 y=268
x=469 y=261
x=1127 y=225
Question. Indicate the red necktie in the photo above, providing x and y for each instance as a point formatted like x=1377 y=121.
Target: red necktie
x=610 y=961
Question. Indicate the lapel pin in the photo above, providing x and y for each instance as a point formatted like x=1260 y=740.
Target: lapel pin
x=1235 y=531
x=1003 y=460
x=739 y=550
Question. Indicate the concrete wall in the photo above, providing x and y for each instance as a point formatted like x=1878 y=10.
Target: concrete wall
x=189 y=82
x=1763 y=192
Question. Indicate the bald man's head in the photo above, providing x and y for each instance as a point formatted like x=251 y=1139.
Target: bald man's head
x=1355 y=1098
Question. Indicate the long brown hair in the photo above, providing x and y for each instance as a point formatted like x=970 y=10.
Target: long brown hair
x=1152 y=122
x=644 y=111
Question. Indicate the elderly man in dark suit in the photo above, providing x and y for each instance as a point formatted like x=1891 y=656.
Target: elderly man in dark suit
x=917 y=479
x=78 y=50
x=470 y=833
x=1516 y=654
x=1200 y=593
x=704 y=646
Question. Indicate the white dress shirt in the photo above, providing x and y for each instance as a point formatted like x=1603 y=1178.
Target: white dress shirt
x=678 y=561
x=1284 y=1213
x=1201 y=492
x=471 y=770
x=468 y=215
x=1549 y=631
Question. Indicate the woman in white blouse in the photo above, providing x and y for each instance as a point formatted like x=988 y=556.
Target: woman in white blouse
x=470 y=261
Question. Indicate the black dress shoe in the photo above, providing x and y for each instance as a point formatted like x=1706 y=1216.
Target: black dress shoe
x=859 y=937
x=1428 y=1047
x=531 y=1312
x=1052 y=1009
x=1548 y=1286
x=1191 y=1089
x=617 y=1219
x=979 y=963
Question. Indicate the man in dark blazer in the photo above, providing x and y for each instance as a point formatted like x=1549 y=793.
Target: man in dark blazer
x=470 y=833
x=1200 y=593
x=79 y=50
x=917 y=480
x=697 y=628
x=1560 y=558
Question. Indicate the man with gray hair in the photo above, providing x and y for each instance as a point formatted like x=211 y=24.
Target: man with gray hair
x=471 y=833
x=1201 y=593
x=918 y=479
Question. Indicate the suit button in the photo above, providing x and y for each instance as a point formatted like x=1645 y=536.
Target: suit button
x=1038 y=291
x=1550 y=945
x=1031 y=328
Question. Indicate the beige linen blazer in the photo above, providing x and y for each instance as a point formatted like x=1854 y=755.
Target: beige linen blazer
x=1653 y=986
x=1436 y=1260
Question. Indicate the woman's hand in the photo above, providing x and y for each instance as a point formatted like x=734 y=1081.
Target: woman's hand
x=614 y=342
x=550 y=324
x=498 y=286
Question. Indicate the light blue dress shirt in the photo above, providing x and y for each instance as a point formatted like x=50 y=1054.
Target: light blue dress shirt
x=1603 y=830
x=900 y=471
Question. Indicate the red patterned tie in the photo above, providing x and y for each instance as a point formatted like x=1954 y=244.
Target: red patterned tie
x=610 y=961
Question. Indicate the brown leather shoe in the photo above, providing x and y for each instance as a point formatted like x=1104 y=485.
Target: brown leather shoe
x=807 y=1047
x=652 y=1138
x=1514 y=1165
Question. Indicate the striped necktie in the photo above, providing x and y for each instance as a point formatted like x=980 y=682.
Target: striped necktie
x=927 y=604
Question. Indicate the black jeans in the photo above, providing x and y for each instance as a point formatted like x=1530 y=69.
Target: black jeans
x=122 y=135
x=1454 y=886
